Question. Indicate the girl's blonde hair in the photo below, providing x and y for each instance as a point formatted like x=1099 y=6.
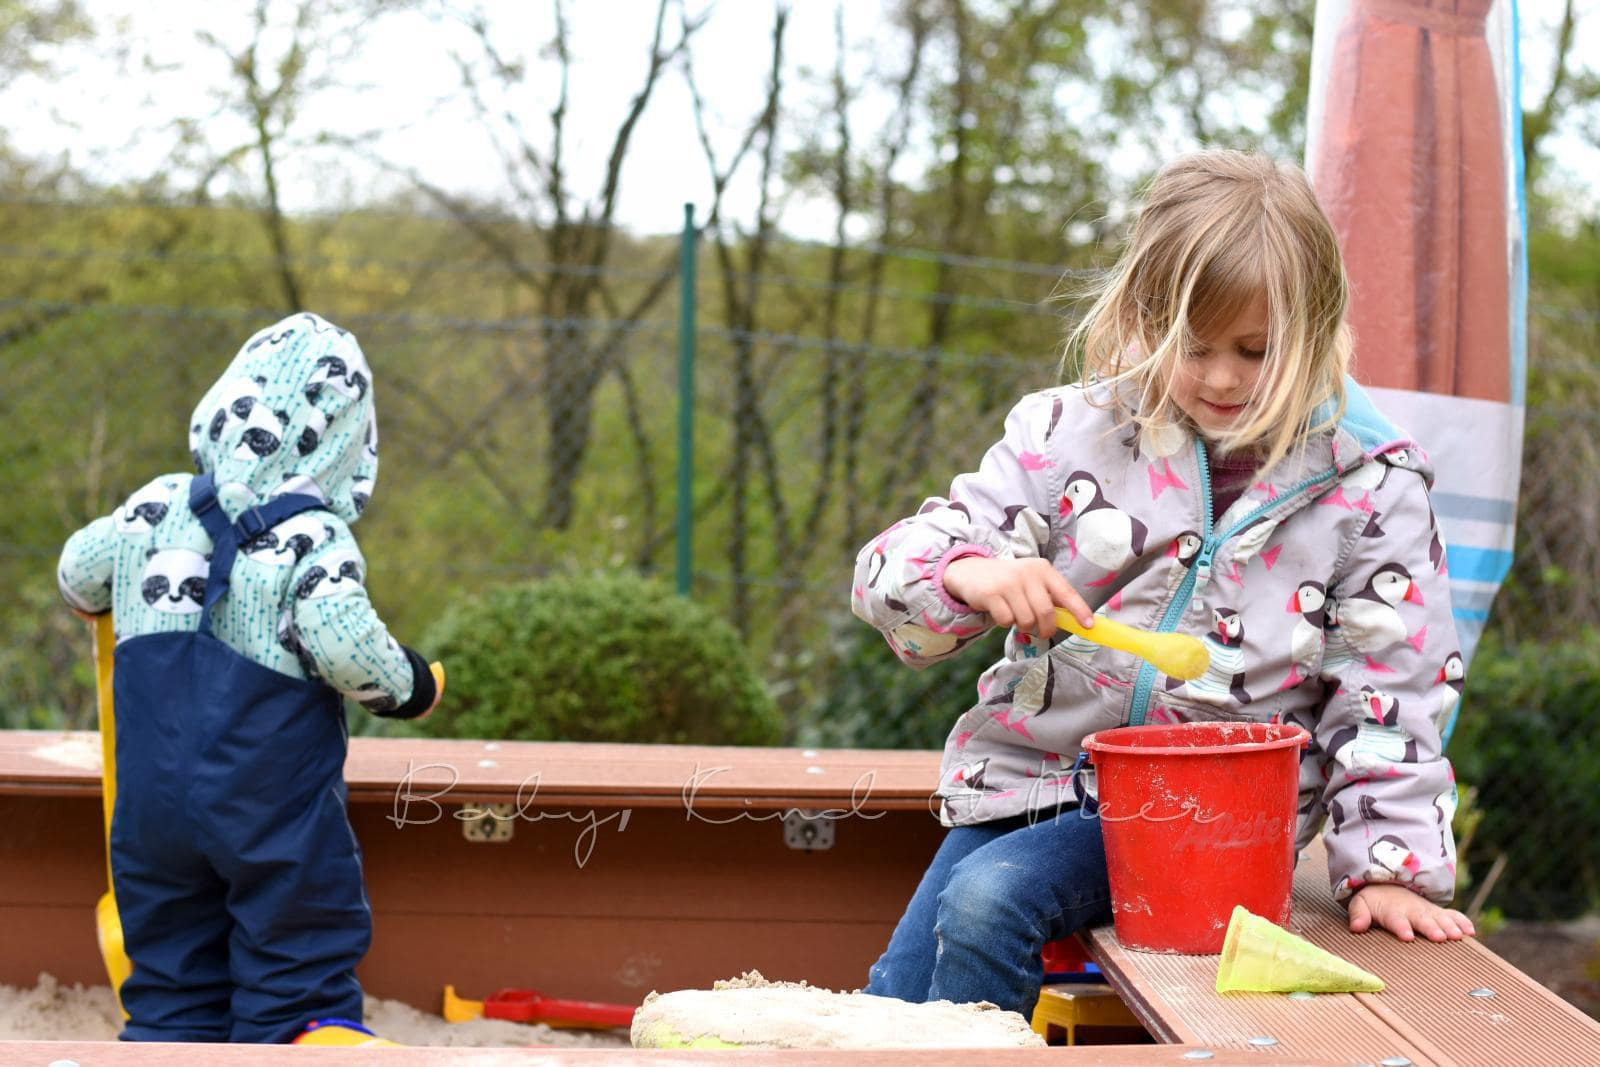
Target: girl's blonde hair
x=1218 y=229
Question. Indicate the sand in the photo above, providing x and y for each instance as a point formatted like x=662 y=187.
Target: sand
x=751 y=1012
x=50 y=1011
x=748 y=1011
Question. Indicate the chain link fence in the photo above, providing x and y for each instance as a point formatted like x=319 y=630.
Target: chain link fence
x=834 y=390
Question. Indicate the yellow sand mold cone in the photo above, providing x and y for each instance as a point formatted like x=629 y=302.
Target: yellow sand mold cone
x=1260 y=956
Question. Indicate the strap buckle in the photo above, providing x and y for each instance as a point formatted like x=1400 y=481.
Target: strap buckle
x=252 y=524
x=202 y=494
x=1085 y=783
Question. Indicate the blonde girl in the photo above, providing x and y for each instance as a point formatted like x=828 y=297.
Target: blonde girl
x=1214 y=471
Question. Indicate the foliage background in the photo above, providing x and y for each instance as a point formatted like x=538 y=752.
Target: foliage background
x=525 y=342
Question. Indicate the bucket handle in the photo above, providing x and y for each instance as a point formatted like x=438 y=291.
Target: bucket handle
x=1085 y=786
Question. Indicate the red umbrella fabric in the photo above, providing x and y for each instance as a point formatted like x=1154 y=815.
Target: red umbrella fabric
x=1410 y=169
x=1414 y=150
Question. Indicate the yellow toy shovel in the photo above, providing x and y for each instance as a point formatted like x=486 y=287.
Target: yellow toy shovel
x=458 y=1009
x=1175 y=655
x=108 y=925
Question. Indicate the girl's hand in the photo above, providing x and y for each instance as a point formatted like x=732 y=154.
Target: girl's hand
x=1015 y=592
x=1405 y=914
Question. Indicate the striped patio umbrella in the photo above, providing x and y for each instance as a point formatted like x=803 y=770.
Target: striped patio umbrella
x=1414 y=148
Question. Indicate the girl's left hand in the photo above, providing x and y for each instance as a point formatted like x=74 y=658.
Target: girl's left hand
x=1406 y=914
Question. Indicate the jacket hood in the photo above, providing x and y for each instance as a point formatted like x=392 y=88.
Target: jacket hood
x=293 y=413
x=1374 y=435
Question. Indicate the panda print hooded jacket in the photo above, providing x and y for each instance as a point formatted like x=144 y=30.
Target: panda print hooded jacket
x=1320 y=594
x=293 y=413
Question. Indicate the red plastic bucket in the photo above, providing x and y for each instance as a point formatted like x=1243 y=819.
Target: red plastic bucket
x=1197 y=818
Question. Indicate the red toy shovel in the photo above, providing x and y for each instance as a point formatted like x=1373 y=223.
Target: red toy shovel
x=531 y=1006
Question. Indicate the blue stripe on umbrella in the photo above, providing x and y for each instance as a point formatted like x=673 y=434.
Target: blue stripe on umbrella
x=1471 y=564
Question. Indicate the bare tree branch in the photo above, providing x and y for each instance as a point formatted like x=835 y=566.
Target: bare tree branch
x=751 y=434
x=896 y=138
x=556 y=188
x=719 y=176
x=583 y=241
x=917 y=416
x=264 y=104
x=619 y=145
x=508 y=159
x=844 y=206
x=1537 y=122
x=440 y=415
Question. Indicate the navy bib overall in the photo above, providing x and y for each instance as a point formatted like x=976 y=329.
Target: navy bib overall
x=235 y=870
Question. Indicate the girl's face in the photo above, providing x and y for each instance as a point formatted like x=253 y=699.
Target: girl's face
x=1216 y=378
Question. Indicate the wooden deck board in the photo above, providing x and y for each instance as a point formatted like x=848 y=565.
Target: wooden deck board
x=1424 y=1014
x=534 y=772
x=111 y=1054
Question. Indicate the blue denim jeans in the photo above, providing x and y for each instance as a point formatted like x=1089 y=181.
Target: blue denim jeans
x=993 y=896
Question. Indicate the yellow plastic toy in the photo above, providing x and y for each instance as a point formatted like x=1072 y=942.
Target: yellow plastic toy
x=459 y=1009
x=1175 y=655
x=343 y=1033
x=1064 y=1007
x=1260 y=956
x=108 y=925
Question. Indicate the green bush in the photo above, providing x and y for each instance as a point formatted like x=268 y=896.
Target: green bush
x=595 y=657
x=1528 y=740
x=874 y=701
x=46 y=661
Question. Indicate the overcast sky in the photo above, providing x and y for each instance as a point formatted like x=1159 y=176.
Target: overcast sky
x=108 y=106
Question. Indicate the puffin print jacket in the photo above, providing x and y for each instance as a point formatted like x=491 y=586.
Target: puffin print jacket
x=1320 y=595
x=293 y=413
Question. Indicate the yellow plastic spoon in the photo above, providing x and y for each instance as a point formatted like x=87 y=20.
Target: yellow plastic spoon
x=1175 y=655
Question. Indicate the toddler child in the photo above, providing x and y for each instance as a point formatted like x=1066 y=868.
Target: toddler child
x=241 y=622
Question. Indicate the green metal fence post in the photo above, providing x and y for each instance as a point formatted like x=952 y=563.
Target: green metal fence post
x=686 y=316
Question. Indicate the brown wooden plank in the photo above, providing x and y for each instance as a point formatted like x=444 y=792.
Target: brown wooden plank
x=657 y=864
x=49 y=761
x=666 y=904
x=617 y=961
x=52 y=871
x=52 y=851
x=682 y=776
x=1424 y=1013
x=668 y=775
x=721 y=897
x=1428 y=996
x=56 y=940
x=1175 y=998
x=113 y=1054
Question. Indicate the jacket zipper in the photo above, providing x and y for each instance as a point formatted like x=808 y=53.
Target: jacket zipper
x=1144 y=682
